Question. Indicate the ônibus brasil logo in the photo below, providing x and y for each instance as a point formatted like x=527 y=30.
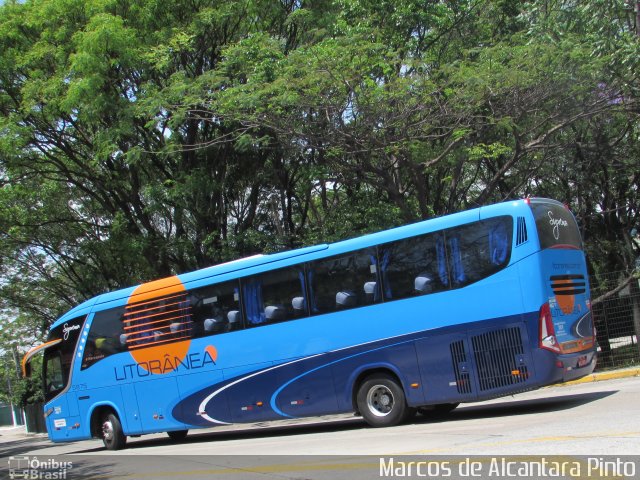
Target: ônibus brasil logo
x=33 y=468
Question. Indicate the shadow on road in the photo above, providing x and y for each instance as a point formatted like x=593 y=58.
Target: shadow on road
x=17 y=446
x=508 y=407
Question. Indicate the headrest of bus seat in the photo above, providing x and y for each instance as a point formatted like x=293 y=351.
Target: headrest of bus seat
x=213 y=324
x=274 y=313
x=233 y=316
x=423 y=284
x=346 y=299
x=298 y=303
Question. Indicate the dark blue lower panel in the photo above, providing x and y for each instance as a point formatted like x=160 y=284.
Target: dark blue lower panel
x=488 y=360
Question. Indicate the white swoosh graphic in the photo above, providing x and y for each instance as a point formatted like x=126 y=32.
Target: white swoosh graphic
x=203 y=405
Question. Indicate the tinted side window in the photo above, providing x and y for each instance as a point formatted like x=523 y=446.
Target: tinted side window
x=106 y=336
x=414 y=266
x=344 y=282
x=216 y=309
x=274 y=296
x=479 y=249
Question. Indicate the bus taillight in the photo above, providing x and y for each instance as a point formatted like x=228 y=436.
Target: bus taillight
x=547 y=335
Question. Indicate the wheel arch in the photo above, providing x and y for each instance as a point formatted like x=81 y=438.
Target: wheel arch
x=97 y=412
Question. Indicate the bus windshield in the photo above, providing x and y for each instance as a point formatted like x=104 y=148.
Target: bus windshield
x=58 y=358
x=556 y=225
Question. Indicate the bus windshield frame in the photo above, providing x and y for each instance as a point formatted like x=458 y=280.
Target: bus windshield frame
x=59 y=357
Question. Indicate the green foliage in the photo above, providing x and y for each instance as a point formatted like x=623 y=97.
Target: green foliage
x=27 y=391
x=141 y=139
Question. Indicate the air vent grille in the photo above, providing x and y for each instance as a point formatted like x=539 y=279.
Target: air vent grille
x=521 y=231
x=499 y=357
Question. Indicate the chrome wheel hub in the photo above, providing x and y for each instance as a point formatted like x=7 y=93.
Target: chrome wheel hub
x=380 y=400
x=107 y=430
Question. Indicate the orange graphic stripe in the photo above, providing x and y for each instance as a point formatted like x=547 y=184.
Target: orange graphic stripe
x=162 y=320
x=145 y=296
x=155 y=329
x=139 y=347
x=145 y=317
x=132 y=305
x=128 y=313
x=158 y=288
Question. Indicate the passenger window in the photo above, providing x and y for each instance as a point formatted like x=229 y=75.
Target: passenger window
x=479 y=249
x=414 y=266
x=106 y=336
x=274 y=296
x=344 y=282
x=216 y=309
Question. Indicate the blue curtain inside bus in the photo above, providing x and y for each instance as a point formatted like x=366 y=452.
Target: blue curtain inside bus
x=442 y=262
x=252 y=295
x=458 y=273
x=498 y=244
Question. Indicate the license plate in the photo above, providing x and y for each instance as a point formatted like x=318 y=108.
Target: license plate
x=582 y=361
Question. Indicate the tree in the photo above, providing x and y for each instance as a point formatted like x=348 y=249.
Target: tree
x=142 y=139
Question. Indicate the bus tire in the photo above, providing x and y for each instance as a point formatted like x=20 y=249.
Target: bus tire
x=178 y=435
x=112 y=434
x=381 y=401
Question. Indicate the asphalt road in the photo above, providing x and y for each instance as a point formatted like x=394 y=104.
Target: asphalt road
x=591 y=419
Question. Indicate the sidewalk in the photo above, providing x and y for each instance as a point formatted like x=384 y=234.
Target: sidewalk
x=10 y=433
x=606 y=375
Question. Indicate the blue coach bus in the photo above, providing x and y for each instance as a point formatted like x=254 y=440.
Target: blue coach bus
x=466 y=307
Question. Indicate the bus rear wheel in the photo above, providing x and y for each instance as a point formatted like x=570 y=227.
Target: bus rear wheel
x=112 y=434
x=381 y=401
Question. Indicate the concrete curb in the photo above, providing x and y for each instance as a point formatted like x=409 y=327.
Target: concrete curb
x=600 y=376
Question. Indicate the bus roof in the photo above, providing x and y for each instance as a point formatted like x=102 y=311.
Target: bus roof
x=290 y=257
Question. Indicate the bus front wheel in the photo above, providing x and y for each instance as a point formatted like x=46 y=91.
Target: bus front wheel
x=381 y=401
x=112 y=434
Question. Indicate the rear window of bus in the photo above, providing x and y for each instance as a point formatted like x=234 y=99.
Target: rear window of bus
x=556 y=226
